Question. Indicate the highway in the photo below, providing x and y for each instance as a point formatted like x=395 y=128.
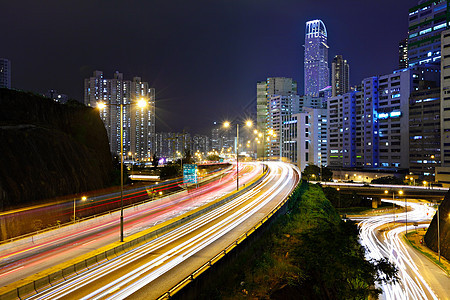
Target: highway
x=151 y=269
x=419 y=278
x=22 y=258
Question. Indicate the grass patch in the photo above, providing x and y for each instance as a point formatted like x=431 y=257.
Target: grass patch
x=432 y=257
x=309 y=253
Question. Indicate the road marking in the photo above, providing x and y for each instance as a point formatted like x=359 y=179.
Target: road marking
x=12 y=271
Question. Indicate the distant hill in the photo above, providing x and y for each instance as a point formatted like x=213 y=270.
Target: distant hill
x=49 y=149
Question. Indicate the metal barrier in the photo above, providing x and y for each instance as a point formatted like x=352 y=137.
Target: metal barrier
x=40 y=284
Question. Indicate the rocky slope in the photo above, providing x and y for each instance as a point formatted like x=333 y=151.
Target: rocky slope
x=49 y=149
x=431 y=237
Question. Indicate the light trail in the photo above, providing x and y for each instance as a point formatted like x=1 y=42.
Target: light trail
x=388 y=244
x=68 y=242
x=175 y=247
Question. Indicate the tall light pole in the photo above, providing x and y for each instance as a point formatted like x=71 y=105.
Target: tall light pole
x=74 y=207
x=132 y=160
x=439 y=235
x=406 y=213
x=227 y=125
x=141 y=103
x=339 y=197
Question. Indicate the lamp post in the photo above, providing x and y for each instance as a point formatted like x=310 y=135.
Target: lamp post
x=226 y=125
x=406 y=213
x=74 y=207
x=339 y=197
x=132 y=161
x=141 y=103
x=439 y=235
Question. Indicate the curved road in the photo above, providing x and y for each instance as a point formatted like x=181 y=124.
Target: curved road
x=419 y=278
x=150 y=270
x=19 y=260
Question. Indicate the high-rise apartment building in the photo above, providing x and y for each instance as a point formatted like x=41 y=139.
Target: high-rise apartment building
x=200 y=143
x=443 y=171
x=281 y=86
x=305 y=137
x=340 y=76
x=280 y=111
x=5 y=73
x=426 y=22
x=316 y=58
x=425 y=130
x=403 y=54
x=369 y=128
x=138 y=123
x=172 y=145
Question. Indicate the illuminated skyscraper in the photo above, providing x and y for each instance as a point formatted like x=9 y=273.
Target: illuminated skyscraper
x=340 y=81
x=426 y=22
x=281 y=86
x=403 y=54
x=316 y=58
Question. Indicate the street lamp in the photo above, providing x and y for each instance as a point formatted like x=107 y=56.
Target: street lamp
x=141 y=103
x=132 y=161
x=438 y=234
x=406 y=213
x=74 y=207
x=339 y=197
x=227 y=124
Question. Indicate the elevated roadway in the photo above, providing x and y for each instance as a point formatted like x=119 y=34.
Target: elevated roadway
x=22 y=258
x=148 y=271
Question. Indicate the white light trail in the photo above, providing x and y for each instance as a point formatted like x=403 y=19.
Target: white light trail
x=388 y=244
x=124 y=286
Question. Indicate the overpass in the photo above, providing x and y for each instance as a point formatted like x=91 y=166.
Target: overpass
x=378 y=191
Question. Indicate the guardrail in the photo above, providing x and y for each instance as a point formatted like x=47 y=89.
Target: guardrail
x=57 y=277
x=191 y=277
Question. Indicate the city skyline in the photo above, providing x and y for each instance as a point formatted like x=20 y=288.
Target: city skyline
x=200 y=58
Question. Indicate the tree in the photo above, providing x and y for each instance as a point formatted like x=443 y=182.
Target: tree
x=187 y=159
x=116 y=171
x=155 y=160
x=327 y=174
x=332 y=194
x=388 y=180
x=311 y=171
x=213 y=157
x=170 y=171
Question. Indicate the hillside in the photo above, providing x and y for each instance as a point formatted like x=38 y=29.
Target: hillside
x=49 y=149
x=444 y=225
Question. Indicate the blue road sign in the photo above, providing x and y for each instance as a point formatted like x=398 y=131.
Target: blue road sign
x=190 y=173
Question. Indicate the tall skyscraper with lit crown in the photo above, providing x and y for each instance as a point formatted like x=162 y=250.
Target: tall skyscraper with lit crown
x=316 y=58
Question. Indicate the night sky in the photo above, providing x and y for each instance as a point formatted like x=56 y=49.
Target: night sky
x=202 y=57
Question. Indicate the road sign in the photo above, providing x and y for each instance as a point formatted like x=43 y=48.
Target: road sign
x=190 y=173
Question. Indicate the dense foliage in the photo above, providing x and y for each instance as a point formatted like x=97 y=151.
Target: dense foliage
x=341 y=200
x=388 y=180
x=310 y=253
x=317 y=173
